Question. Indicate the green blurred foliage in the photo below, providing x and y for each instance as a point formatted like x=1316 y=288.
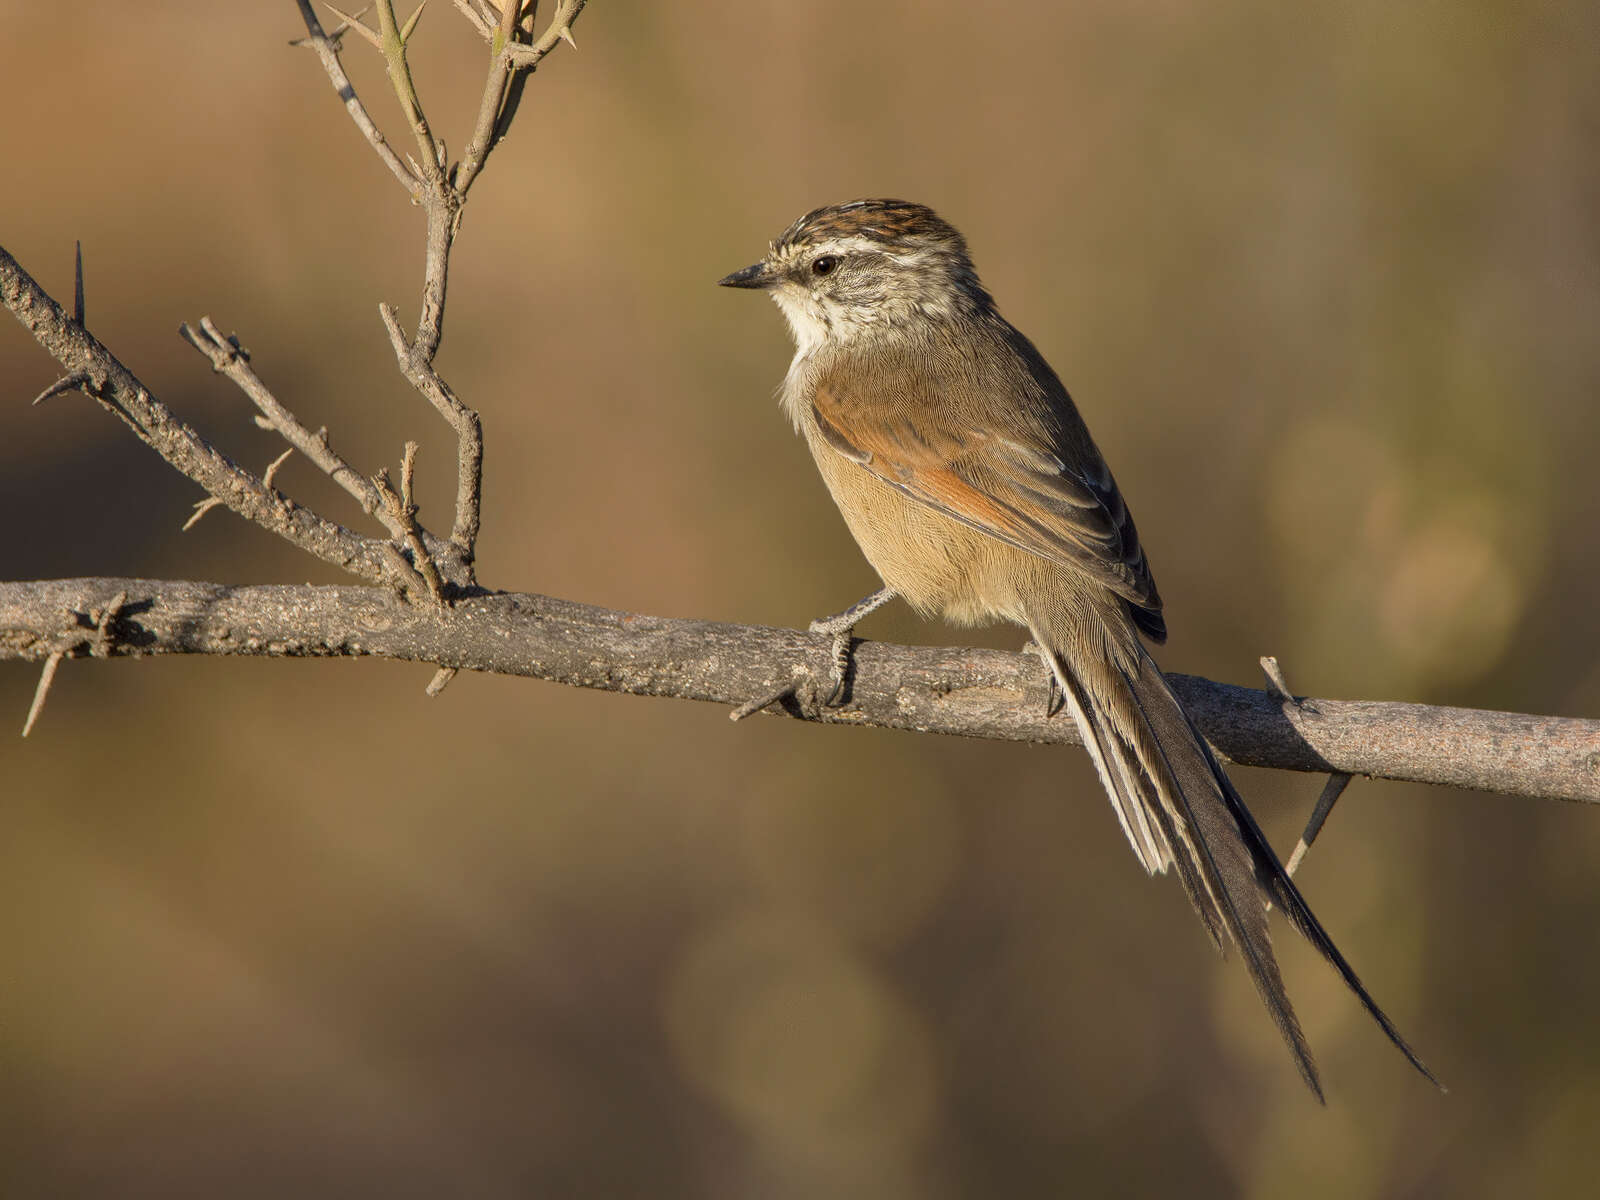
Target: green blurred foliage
x=1325 y=281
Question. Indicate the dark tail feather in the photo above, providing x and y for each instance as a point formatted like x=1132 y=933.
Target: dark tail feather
x=1275 y=882
x=1146 y=745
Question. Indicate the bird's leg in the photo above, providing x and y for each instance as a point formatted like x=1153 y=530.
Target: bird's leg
x=1053 y=697
x=840 y=626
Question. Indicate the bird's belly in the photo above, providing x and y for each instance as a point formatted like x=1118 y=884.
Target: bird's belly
x=934 y=562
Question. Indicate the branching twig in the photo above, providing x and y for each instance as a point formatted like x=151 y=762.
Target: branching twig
x=418 y=368
x=528 y=57
x=442 y=190
x=392 y=43
x=328 y=52
x=119 y=391
x=402 y=509
x=229 y=358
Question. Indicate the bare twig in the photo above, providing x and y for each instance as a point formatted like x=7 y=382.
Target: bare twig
x=484 y=28
x=328 y=51
x=404 y=512
x=975 y=693
x=230 y=359
x=441 y=680
x=418 y=368
x=346 y=24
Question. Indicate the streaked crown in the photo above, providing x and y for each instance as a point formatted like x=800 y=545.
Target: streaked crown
x=887 y=223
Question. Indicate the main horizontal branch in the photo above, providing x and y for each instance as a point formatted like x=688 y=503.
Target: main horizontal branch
x=976 y=693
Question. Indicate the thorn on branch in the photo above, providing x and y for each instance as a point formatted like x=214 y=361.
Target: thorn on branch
x=332 y=35
x=272 y=467
x=353 y=22
x=46 y=677
x=67 y=383
x=750 y=707
x=1331 y=791
x=99 y=646
x=200 y=509
x=1277 y=685
x=77 y=284
x=410 y=26
x=525 y=56
x=441 y=679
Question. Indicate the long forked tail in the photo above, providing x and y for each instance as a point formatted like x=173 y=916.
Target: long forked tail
x=1179 y=809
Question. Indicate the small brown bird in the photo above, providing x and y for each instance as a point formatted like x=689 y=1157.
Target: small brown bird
x=973 y=487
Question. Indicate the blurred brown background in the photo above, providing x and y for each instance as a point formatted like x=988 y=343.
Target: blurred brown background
x=1326 y=283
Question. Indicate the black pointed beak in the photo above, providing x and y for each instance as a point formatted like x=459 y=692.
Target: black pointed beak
x=755 y=275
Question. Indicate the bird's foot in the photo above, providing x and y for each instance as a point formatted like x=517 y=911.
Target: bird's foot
x=1054 y=700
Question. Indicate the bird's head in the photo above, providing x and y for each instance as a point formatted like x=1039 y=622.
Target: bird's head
x=865 y=269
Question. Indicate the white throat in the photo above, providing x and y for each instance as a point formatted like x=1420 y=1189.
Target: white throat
x=807 y=325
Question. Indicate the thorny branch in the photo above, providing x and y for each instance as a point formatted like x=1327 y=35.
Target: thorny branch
x=120 y=393
x=977 y=693
x=229 y=358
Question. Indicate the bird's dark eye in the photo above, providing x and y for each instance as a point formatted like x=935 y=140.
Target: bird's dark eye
x=824 y=265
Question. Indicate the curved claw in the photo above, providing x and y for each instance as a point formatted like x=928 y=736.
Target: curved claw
x=1054 y=700
x=839 y=656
